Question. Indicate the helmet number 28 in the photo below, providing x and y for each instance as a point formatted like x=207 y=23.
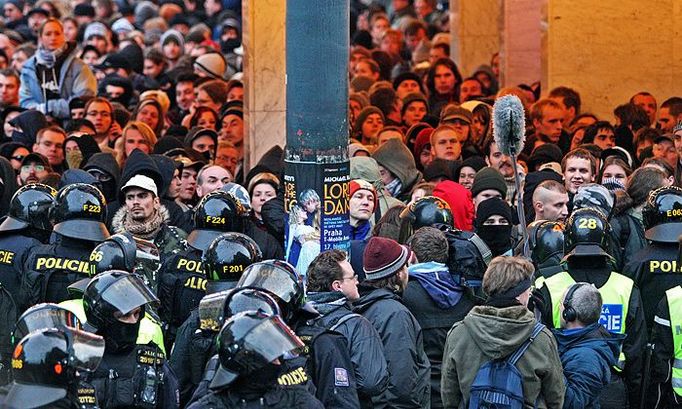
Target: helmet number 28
x=587 y=224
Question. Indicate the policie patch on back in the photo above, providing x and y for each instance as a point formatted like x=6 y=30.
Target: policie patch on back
x=341 y=377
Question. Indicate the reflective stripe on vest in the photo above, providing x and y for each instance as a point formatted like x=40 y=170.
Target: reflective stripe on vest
x=674 y=296
x=150 y=330
x=615 y=294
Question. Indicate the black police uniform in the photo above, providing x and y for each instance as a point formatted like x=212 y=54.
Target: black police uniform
x=660 y=392
x=655 y=268
x=276 y=397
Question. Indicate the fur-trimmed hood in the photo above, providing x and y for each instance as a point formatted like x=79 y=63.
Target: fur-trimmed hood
x=147 y=230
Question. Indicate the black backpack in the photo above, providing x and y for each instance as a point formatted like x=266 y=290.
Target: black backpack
x=468 y=256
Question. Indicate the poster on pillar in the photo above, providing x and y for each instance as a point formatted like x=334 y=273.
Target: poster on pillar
x=316 y=203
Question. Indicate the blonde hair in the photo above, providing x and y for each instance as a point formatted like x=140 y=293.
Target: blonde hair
x=505 y=272
x=146 y=132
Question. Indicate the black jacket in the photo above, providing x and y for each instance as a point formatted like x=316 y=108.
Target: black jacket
x=51 y=268
x=185 y=360
x=275 y=398
x=654 y=270
x=366 y=349
x=408 y=365
x=435 y=321
x=269 y=246
x=660 y=393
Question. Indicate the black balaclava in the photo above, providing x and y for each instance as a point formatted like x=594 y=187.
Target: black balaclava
x=497 y=237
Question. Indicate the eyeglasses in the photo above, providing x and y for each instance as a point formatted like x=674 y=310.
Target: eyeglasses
x=354 y=277
x=37 y=168
x=18 y=157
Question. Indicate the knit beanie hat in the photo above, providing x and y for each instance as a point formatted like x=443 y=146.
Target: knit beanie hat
x=211 y=64
x=545 y=153
x=492 y=206
x=439 y=168
x=362 y=116
x=173 y=35
x=144 y=11
x=122 y=25
x=359 y=97
x=407 y=76
x=423 y=139
x=413 y=97
x=474 y=162
x=383 y=258
x=95 y=28
x=489 y=178
x=361 y=184
x=613 y=184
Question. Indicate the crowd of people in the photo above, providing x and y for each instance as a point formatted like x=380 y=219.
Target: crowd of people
x=142 y=266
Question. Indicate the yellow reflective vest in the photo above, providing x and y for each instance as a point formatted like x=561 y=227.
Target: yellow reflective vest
x=674 y=296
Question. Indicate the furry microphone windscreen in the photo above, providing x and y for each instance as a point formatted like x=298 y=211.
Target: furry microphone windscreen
x=509 y=124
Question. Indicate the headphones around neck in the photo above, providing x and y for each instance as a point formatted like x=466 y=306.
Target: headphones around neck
x=570 y=313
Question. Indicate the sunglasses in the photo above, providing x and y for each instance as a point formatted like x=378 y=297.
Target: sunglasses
x=18 y=157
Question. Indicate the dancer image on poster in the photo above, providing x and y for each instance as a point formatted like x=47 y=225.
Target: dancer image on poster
x=309 y=203
x=306 y=236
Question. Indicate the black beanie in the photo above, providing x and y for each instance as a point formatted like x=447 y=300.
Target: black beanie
x=545 y=153
x=439 y=168
x=489 y=178
x=492 y=206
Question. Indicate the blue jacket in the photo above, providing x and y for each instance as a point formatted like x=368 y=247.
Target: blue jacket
x=587 y=355
x=75 y=80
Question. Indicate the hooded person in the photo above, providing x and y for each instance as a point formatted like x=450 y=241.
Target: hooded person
x=394 y=157
x=71 y=176
x=167 y=168
x=105 y=169
x=141 y=213
x=116 y=80
x=86 y=148
x=434 y=298
x=366 y=168
x=28 y=123
x=494 y=225
x=459 y=199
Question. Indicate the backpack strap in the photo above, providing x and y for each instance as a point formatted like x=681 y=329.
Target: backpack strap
x=483 y=248
x=513 y=358
x=342 y=320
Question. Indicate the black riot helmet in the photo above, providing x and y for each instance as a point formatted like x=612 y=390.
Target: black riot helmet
x=226 y=258
x=425 y=211
x=80 y=213
x=280 y=279
x=250 y=341
x=587 y=233
x=547 y=241
x=115 y=253
x=30 y=207
x=114 y=292
x=663 y=214
x=45 y=315
x=218 y=212
x=44 y=365
x=215 y=308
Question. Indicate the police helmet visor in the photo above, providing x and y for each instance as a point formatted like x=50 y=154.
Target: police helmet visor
x=11 y=224
x=201 y=239
x=273 y=279
x=45 y=317
x=127 y=293
x=40 y=361
x=587 y=250
x=77 y=289
x=211 y=311
x=259 y=345
x=89 y=230
x=664 y=233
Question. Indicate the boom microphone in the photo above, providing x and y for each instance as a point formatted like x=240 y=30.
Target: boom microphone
x=509 y=125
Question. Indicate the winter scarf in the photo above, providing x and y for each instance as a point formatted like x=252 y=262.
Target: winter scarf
x=146 y=230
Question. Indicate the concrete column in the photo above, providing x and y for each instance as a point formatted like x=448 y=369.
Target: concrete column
x=521 y=45
x=475 y=32
x=264 y=77
x=610 y=50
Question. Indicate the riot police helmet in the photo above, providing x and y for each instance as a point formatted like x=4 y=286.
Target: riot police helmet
x=80 y=213
x=427 y=211
x=112 y=294
x=45 y=364
x=250 y=341
x=587 y=233
x=280 y=279
x=547 y=239
x=218 y=212
x=30 y=207
x=44 y=315
x=115 y=253
x=216 y=308
x=226 y=259
x=662 y=214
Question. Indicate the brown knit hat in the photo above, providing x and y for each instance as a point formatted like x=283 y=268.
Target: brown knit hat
x=383 y=258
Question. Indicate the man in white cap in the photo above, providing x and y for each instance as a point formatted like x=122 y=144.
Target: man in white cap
x=143 y=216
